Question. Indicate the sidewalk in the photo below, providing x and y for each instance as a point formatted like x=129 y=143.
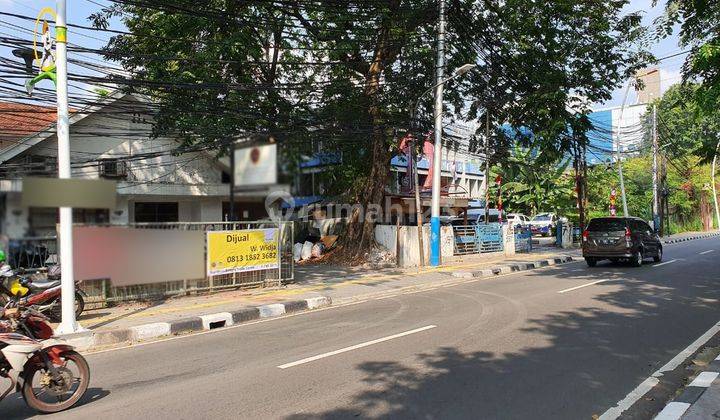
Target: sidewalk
x=700 y=399
x=688 y=236
x=315 y=286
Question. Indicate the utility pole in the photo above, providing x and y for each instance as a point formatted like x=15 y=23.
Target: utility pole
x=69 y=323
x=714 y=191
x=617 y=151
x=656 y=198
x=418 y=204
x=487 y=166
x=437 y=159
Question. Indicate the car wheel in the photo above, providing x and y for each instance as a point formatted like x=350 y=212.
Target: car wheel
x=658 y=257
x=591 y=262
x=637 y=259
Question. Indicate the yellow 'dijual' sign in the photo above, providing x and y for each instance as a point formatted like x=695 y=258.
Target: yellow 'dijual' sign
x=234 y=251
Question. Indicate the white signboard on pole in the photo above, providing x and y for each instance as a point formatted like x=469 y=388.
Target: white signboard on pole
x=256 y=166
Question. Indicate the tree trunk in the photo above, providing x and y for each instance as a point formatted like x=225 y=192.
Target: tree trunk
x=360 y=235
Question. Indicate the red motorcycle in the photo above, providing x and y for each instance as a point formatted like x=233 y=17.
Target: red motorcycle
x=44 y=295
x=51 y=375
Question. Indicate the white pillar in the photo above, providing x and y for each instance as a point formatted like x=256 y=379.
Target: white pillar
x=68 y=324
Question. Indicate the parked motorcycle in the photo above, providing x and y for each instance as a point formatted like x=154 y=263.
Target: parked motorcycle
x=21 y=290
x=48 y=372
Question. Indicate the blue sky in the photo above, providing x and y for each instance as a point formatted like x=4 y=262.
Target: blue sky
x=79 y=10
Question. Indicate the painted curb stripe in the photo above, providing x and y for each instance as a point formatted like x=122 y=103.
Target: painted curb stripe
x=704 y=379
x=90 y=339
x=673 y=411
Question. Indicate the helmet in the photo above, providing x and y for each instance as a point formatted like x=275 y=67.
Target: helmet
x=2 y=256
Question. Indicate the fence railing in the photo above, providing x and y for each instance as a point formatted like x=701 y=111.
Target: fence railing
x=32 y=253
x=42 y=252
x=478 y=238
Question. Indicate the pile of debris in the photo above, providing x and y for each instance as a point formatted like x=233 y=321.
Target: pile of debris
x=310 y=249
x=379 y=257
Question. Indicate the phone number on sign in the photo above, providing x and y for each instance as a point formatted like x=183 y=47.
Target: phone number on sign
x=252 y=257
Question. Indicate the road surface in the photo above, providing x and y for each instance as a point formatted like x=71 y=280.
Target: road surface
x=563 y=342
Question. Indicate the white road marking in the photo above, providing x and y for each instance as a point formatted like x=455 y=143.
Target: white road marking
x=673 y=411
x=665 y=263
x=355 y=347
x=707 y=252
x=652 y=380
x=363 y=300
x=704 y=379
x=581 y=286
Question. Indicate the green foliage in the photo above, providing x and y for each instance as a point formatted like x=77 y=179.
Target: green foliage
x=347 y=73
x=688 y=190
x=698 y=22
x=532 y=185
x=545 y=62
x=683 y=127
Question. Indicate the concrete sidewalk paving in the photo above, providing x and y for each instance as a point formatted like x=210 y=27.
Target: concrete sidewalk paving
x=315 y=286
x=700 y=399
x=688 y=236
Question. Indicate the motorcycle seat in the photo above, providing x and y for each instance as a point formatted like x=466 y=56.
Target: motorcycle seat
x=43 y=284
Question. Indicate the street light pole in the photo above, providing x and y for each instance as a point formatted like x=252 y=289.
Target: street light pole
x=617 y=152
x=69 y=323
x=714 y=189
x=656 y=200
x=437 y=152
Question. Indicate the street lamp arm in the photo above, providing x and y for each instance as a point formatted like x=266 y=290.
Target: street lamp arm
x=462 y=70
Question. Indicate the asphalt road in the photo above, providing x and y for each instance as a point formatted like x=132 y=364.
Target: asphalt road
x=509 y=347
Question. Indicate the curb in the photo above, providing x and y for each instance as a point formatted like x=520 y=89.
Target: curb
x=692 y=238
x=92 y=339
x=691 y=394
x=512 y=268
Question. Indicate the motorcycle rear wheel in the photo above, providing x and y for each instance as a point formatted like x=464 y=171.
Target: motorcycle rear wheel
x=55 y=314
x=32 y=398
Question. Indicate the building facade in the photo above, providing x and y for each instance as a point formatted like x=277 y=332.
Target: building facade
x=111 y=140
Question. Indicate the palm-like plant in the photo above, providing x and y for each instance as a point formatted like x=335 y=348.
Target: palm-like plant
x=530 y=185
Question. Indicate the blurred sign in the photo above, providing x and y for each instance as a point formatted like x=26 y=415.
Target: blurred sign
x=77 y=193
x=256 y=166
x=129 y=256
x=235 y=251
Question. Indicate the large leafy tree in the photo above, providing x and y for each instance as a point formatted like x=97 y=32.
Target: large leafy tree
x=347 y=73
x=699 y=22
x=544 y=63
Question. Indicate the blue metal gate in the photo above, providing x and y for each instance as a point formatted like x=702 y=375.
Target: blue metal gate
x=477 y=239
x=523 y=239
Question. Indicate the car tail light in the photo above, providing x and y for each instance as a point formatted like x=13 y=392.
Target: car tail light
x=628 y=237
x=586 y=234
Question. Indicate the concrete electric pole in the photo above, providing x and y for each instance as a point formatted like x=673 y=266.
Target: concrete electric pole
x=487 y=166
x=69 y=323
x=656 y=193
x=617 y=151
x=437 y=152
x=714 y=188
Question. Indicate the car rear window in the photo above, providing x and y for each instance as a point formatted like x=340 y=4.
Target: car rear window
x=606 y=225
